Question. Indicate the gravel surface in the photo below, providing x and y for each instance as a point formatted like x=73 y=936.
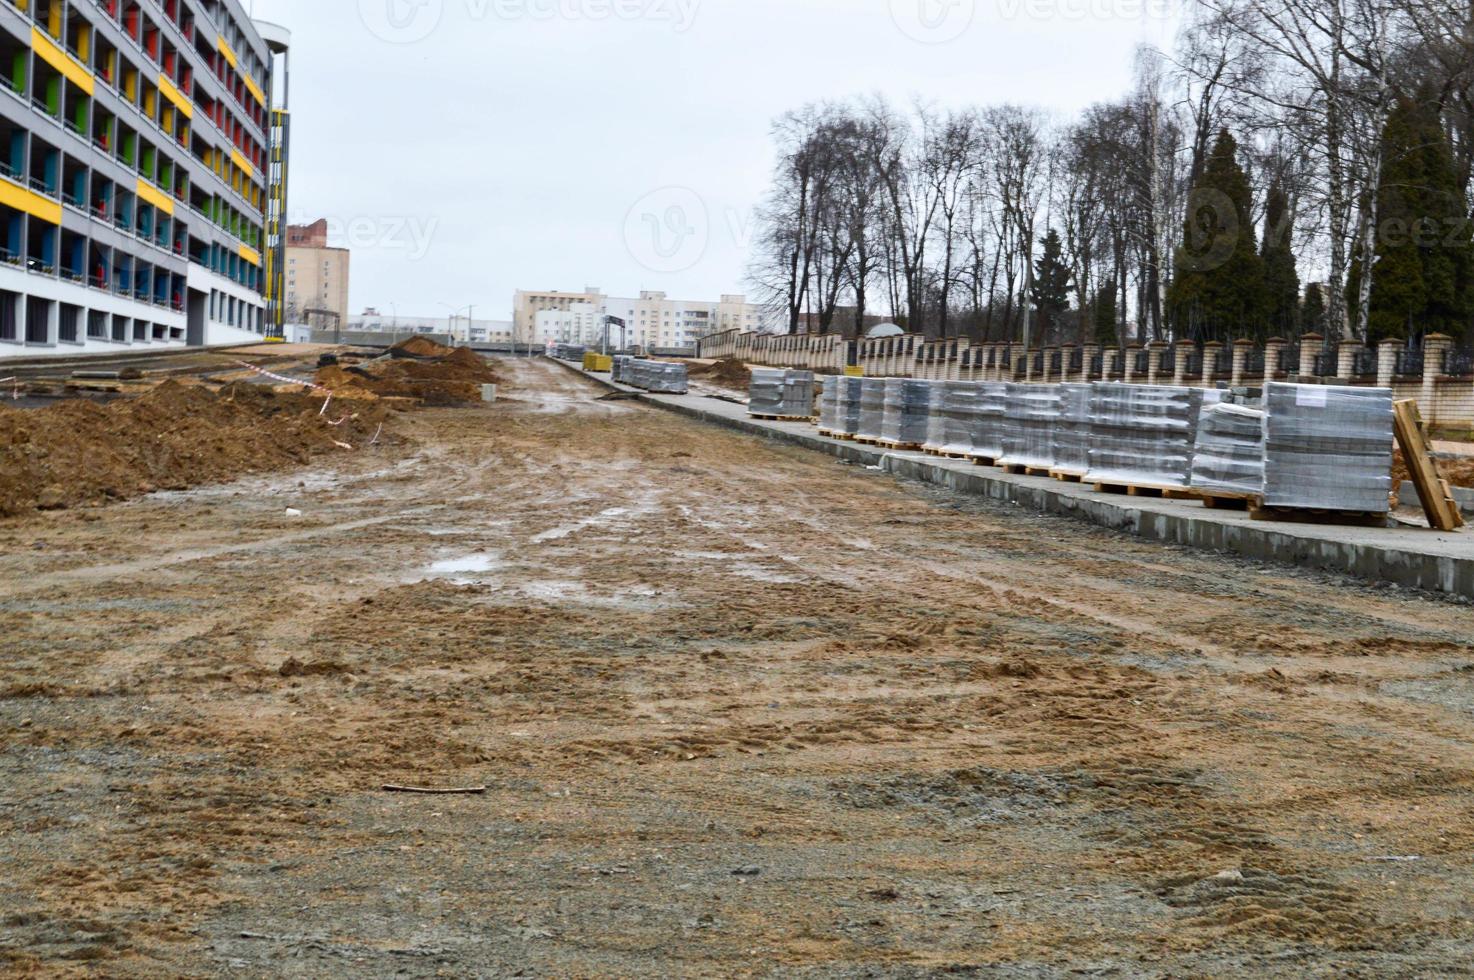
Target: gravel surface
x=739 y=710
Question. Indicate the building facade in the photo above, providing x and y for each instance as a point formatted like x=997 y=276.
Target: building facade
x=317 y=277
x=651 y=320
x=136 y=170
x=462 y=329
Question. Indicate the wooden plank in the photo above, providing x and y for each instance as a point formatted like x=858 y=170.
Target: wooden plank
x=1417 y=451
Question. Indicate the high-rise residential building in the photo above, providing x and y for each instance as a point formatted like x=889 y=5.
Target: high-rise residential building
x=141 y=163
x=651 y=320
x=317 y=277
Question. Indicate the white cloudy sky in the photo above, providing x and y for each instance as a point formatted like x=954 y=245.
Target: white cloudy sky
x=467 y=148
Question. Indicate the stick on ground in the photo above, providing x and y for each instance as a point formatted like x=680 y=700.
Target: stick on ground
x=426 y=791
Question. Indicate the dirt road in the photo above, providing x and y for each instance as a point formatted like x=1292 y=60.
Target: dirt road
x=740 y=709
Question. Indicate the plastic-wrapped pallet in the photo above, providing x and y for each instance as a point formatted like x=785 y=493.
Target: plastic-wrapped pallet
x=1143 y=435
x=872 y=408
x=936 y=423
x=1328 y=447
x=907 y=407
x=1228 y=455
x=765 y=392
x=1072 y=430
x=658 y=377
x=961 y=407
x=990 y=419
x=848 y=405
x=798 y=394
x=829 y=404
x=621 y=363
x=1028 y=426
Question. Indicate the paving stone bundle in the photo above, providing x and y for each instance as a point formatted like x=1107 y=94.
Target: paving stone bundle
x=990 y=419
x=906 y=409
x=1072 y=430
x=1228 y=453
x=829 y=404
x=1143 y=435
x=657 y=377
x=955 y=408
x=847 y=404
x=786 y=394
x=872 y=408
x=621 y=364
x=1031 y=412
x=1328 y=447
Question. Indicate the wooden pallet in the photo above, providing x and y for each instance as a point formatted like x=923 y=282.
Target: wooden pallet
x=1146 y=490
x=984 y=460
x=1225 y=500
x=904 y=447
x=1017 y=470
x=782 y=418
x=943 y=454
x=1308 y=515
x=1417 y=451
x=1067 y=476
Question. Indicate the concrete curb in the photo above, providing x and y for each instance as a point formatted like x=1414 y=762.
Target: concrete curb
x=1425 y=563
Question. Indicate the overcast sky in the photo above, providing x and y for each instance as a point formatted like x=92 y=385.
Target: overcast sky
x=467 y=148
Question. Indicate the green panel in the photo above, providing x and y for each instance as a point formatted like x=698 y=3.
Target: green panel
x=80 y=117
x=53 y=96
x=18 y=68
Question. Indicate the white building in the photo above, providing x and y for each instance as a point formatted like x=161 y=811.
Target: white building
x=461 y=329
x=651 y=321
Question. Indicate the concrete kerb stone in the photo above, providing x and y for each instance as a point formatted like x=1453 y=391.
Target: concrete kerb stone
x=1330 y=548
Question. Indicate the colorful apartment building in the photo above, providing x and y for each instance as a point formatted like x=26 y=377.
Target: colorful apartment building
x=142 y=174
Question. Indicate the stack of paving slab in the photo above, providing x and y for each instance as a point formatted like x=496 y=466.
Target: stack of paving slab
x=1228 y=454
x=906 y=408
x=783 y=394
x=990 y=420
x=955 y=408
x=829 y=404
x=1328 y=447
x=657 y=377
x=1072 y=431
x=847 y=406
x=1031 y=413
x=872 y=409
x=1143 y=435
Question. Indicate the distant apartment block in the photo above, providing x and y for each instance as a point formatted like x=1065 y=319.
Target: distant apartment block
x=651 y=320
x=317 y=277
x=141 y=165
x=462 y=329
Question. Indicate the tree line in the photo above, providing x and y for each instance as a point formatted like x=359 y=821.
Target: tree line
x=1289 y=166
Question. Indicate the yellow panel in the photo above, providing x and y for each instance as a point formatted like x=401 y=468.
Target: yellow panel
x=61 y=61
x=254 y=89
x=250 y=255
x=15 y=196
x=225 y=50
x=240 y=160
x=175 y=96
x=154 y=196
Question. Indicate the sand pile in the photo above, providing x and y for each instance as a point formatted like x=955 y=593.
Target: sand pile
x=174 y=437
x=729 y=372
x=1458 y=472
x=431 y=373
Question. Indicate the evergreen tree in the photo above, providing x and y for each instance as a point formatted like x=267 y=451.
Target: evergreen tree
x=1050 y=290
x=1423 y=277
x=1105 y=316
x=1218 y=291
x=1281 y=279
x=1313 y=312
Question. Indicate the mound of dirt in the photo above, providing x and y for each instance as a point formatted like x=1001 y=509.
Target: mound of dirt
x=420 y=347
x=172 y=438
x=728 y=372
x=1458 y=472
x=450 y=378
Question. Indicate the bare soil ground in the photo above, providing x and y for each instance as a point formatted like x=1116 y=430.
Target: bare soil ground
x=740 y=709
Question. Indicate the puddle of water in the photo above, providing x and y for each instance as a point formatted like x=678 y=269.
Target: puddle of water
x=464 y=569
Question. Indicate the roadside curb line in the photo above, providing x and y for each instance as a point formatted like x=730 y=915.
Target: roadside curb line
x=1375 y=562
